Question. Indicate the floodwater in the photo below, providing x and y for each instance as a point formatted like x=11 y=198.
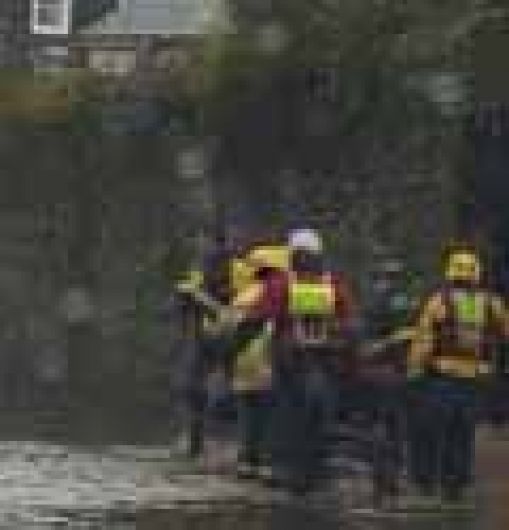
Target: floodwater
x=45 y=485
x=150 y=487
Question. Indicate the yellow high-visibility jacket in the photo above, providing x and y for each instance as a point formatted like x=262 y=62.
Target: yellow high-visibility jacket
x=252 y=370
x=253 y=364
x=243 y=270
x=275 y=256
x=423 y=347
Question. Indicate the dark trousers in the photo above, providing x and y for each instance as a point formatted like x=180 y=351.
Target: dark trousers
x=377 y=409
x=304 y=400
x=207 y=357
x=441 y=434
x=387 y=412
x=254 y=409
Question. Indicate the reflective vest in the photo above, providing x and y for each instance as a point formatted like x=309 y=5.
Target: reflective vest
x=242 y=275
x=311 y=310
x=252 y=370
x=463 y=340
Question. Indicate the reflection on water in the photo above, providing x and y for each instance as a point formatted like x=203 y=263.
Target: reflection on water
x=122 y=487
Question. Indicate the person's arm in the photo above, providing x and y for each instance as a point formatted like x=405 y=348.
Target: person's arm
x=244 y=305
x=422 y=341
x=191 y=291
x=246 y=317
x=346 y=309
x=501 y=315
x=261 y=301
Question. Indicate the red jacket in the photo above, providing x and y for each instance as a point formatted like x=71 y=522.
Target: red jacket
x=273 y=303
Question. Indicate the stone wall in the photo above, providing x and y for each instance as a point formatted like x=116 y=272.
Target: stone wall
x=137 y=204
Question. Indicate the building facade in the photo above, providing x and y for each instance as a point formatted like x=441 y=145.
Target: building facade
x=63 y=17
x=116 y=36
x=138 y=48
x=14 y=30
x=53 y=24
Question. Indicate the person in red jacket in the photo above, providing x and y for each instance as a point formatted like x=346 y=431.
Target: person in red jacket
x=313 y=315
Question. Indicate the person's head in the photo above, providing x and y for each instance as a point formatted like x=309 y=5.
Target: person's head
x=462 y=264
x=306 y=247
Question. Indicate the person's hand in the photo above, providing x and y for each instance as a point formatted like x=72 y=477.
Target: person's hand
x=265 y=378
x=215 y=328
x=228 y=317
x=414 y=373
x=486 y=369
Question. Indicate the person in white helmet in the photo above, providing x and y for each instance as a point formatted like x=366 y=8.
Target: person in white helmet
x=306 y=239
x=311 y=310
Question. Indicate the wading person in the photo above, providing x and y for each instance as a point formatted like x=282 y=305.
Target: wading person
x=252 y=372
x=206 y=292
x=311 y=311
x=450 y=358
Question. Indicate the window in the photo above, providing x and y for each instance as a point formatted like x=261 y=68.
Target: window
x=50 y=59
x=174 y=59
x=113 y=62
x=51 y=16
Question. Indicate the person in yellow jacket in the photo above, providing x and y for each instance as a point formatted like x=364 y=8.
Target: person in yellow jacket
x=245 y=364
x=450 y=354
x=252 y=370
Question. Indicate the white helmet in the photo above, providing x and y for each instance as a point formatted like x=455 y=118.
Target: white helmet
x=306 y=239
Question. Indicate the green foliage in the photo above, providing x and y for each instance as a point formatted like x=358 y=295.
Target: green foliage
x=355 y=35
x=232 y=67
